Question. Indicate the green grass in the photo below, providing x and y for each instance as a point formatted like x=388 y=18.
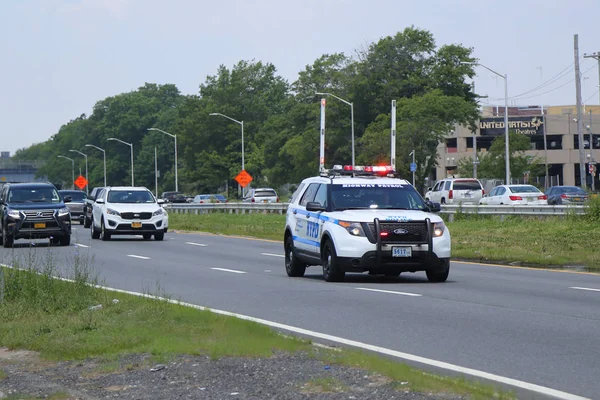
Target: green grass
x=54 y=396
x=2 y=375
x=324 y=385
x=548 y=242
x=52 y=317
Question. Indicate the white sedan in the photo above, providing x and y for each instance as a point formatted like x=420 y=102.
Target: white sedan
x=515 y=195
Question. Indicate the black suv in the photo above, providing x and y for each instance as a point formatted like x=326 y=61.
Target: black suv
x=34 y=211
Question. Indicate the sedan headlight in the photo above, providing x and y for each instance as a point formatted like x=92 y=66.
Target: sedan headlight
x=158 y=212
x=438 y=229
x=63 y=211
x=110 y=211
x=353 y=228
x=14 y=214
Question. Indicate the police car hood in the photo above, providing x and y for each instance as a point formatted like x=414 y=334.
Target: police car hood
x=364 y=215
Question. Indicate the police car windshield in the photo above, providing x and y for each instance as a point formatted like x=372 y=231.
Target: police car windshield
x=375 y=196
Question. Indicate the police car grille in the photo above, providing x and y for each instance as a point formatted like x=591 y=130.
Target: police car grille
x=140 y=215
x=407 y=232
x=39 y=215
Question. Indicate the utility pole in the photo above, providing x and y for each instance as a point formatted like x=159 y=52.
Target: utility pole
x=582 y=173
x=596 y=56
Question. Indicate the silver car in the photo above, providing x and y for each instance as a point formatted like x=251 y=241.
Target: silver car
x=75 y=206
x=261 y=195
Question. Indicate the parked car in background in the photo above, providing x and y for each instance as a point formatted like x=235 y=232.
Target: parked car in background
x=209 y=198
x=456 y=191
x=174 y=197
x=76 y=204
x=515 y=195
x=566 y=195
x=261 y=195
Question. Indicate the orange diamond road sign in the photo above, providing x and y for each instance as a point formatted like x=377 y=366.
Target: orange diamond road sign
x=80 y=182
x=243 y=178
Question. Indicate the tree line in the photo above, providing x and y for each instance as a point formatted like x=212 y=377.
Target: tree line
x=281 y=119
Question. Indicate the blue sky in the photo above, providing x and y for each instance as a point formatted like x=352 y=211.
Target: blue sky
x=61 y=56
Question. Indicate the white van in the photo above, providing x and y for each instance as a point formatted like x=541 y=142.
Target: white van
x=456 y=191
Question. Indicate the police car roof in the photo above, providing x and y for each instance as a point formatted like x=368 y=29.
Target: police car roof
x=346 y=180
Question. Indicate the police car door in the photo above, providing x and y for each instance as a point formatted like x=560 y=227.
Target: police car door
x=316 y=222
x=304 y=239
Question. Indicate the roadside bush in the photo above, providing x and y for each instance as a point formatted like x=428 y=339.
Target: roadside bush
x=593 y=212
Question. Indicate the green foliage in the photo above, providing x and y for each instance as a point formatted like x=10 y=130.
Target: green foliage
x=280 y=120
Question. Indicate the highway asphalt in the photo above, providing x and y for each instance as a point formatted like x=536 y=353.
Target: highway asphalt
x=537 y=326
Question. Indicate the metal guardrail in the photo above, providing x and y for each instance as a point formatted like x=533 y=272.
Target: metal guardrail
x=451 y=210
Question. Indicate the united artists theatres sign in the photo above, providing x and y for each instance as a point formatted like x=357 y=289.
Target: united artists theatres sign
x=523 y=125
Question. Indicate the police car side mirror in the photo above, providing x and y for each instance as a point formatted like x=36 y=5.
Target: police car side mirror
x=314 y=206
x=433 y=207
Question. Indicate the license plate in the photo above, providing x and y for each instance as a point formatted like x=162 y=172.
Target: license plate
x=39 y=225
x=401 y=251
x=136 y=224
x=467 y=195
x=577 y=198
x=264 y=201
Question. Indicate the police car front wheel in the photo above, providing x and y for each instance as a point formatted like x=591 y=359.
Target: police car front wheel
x=331 y=268
x=293 y=266
x=439 y=275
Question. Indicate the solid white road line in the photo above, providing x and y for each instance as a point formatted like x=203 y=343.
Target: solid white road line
x=352 y=343
x=140 y=257
x=235 y=271
x=381 y=350
x=272 y=255
x=196 y=244
x=81 y=245
x=585 y=288
x=389 y=291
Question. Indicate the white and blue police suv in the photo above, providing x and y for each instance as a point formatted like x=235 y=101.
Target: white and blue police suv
x=364 y=219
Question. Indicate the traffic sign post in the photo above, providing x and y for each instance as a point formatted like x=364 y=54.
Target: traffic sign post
x=80 y=182
x=413 y=167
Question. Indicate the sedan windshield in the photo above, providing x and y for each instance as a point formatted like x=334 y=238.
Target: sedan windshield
x=130 y=196
x=395 y=197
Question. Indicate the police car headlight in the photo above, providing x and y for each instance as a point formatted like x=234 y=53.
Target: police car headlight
x=353 y=228
x=63 y=211
x=438 y=229
x=110 y=211
x=158 y=212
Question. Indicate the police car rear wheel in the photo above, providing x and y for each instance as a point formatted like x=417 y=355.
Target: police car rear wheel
x=293 y=266
x=331 y=269
x=440 y=275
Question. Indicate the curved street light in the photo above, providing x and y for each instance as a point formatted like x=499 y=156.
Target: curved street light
x=104 y=154
x=87 y=189
x=506 y=146
x=72 y=170
x=242 y=124
x=131 y=146
x=175 y=137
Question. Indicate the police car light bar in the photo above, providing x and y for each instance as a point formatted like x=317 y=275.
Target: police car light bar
x=380 y=170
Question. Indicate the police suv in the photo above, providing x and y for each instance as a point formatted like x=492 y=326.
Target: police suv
x=364 y=219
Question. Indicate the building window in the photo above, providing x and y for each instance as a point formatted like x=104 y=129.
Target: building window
x=586 y=141
x=451 y=145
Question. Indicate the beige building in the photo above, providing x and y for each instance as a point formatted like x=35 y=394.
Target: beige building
x=557 y=124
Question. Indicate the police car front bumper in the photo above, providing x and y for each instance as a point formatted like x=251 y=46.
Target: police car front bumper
x=383 y=261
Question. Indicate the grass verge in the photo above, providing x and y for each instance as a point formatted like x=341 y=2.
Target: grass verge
x=63 y=320
x=549 y=242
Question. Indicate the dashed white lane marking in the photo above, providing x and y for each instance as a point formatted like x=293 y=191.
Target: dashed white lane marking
x=235 y=271
x=196 y=244
x=272 y=255
x=585 y=288
x=389 y=291
x=140 y=257
x=267 y=270
x=81 y=245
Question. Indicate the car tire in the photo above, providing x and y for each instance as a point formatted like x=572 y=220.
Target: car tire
x=65 y=240
x=159 y=236
x=147 y=236
x=7 y=240
x=331 y=269
x=86 y=222
x=103 y=234
x=439 y=275
x=293 y=266
x=93 y=232
x=393 y=274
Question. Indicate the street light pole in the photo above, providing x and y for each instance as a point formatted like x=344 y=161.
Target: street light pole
x=506 y=144
x=104 y=154
x=131 y=146
x=174 y=137
x=351 y=118
x=242 y=125
x=72 y=170
x=87 y=189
